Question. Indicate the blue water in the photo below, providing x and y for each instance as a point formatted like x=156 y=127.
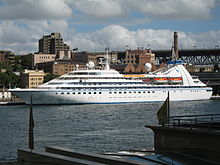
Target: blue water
x=95 y=128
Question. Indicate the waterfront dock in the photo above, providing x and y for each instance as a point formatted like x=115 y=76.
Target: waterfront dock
x=61 y=156
x=195 y=136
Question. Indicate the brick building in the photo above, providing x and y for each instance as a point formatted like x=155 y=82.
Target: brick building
x=6 y=57
x=40 y=58
x=96 y=57
x=135 y=59
x=60 y=67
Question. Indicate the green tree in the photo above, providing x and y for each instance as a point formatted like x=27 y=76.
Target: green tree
x=7 y=67
x=26 y=61
x=49 y=77
x=23 y=62
x=8 y=79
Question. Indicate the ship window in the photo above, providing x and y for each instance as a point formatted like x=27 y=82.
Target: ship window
x=62 y=93
x=100 y=92
x=139 y=92
x=56 y=93
x=79 y=93
x=125 y=92
x=94 y=92
x=73 y=92
x=110 y=92
x=143 y=91
x=153 y=91
x=84 y=92
x=148 y=92
x=115 y=92
x=129 y=91
x=119 y=92
x=90 y=92
x=68 y=93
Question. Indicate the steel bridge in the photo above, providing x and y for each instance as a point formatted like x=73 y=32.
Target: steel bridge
x=192 y=56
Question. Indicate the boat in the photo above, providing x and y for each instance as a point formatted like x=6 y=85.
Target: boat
x=108 y=86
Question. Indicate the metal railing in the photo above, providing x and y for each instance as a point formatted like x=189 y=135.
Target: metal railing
x=208 y=121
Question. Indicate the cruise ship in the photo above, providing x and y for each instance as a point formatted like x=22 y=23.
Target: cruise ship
x=108 y=86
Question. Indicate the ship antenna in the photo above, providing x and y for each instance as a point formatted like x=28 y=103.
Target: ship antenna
x=107 y=67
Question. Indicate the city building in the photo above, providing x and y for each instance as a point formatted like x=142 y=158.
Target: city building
x=63 y=54
x=50 y=44
x=135 y=59
x=40 y=58
x=202 y=68
x=6 y=57
x=60 y=67
x=31 y=78
x=96 y=57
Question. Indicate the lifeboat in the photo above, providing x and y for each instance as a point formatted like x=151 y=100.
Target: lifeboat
x=148 y=79
x=175 y=80
x=160 y=80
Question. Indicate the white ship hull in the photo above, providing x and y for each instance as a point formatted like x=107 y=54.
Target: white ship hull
x=108 y=86
x=112 y=96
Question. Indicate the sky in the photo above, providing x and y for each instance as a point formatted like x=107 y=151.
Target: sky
x=93 y=25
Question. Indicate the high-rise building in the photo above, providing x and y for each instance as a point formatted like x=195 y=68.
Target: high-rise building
x=51 y=44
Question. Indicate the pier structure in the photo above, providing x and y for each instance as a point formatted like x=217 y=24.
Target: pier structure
x=194 y=136
x=60 y=156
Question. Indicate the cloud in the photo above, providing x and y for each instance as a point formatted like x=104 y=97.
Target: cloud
x=117 y=37
x=23 y=36
x=19 y=38
x=24 y=22
x=172 y=9
x=99 y=8
x=32 y=9
x=163 y=9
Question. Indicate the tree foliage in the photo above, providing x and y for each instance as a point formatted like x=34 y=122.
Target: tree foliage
x=8 y=79
x=49 y=77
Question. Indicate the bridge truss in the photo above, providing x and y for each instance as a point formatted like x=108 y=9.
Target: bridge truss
x=194 y=57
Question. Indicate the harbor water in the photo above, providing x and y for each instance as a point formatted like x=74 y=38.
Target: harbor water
x=96 y=128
